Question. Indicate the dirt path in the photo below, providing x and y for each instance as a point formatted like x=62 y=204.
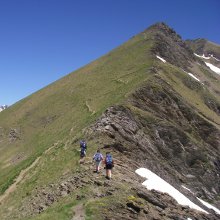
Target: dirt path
x=79 y=213
x=20 y=177
x=17 y=180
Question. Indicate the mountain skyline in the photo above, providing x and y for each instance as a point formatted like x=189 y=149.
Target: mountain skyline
x=42 y=41
x=152 y=102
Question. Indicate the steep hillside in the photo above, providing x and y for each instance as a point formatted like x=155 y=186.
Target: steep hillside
x=207 y=50
x=151 y=102
x=203 y=46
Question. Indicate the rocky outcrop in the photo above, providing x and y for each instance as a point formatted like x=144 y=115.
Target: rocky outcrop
x=158 y=130
x=170 y=46
x=134 y=201
x=14 y=134
x=152 y=127
x=204 y=47
x=162 y=132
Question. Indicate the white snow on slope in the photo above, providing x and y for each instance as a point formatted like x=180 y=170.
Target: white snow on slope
x=155 y=182
x=207 y=58
x=3 y=107
x=187 y=188
x=203 y=202
x=213 y=68
x=193 y=76
x=160 y=58
x=190 y=74
x=203 y=56
x=209 y=206
x=215 y=58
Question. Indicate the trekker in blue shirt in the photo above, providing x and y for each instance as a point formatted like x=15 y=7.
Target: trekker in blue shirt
x=98 y=159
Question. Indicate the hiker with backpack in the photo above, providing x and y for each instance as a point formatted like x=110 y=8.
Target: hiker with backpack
x=98 y=159
x=83 y=148
x=109 y=164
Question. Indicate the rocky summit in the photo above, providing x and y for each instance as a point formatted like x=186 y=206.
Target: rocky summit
x=153 y=102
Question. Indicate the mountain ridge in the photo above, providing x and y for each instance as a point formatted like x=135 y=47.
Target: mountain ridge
x=203 y=46
x=148 y=113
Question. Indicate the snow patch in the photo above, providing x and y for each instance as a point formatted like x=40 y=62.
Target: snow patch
x=215 y=58
x=203 y=202
x=187 y=189
x=160 y=58
x=203 y=56
x=155 y=182
x=209 y=206
x=3 y=107
x=207 y=58
x=190 y=74
x=193 y=76
x=213 y=68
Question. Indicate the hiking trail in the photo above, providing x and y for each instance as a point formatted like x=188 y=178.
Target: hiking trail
x=20 y=177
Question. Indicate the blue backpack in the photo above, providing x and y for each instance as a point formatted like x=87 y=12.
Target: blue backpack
x=98 y=157
x=109 y=159
x=83 y=148
x=83 y=145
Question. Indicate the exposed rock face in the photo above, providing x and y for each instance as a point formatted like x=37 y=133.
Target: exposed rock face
x=153 y=127
x=207 y=50
x=157 y=130
x=160 y=128
x=170 y=46
x=14 y=134
x=202 y=46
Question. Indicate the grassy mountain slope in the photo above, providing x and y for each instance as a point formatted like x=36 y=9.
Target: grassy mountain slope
x=159 y=113
x=203 y=46
x=48 y=116
x=208 y=48
x=68 y=106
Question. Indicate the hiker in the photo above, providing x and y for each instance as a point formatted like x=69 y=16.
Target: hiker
x=83 y=148
x=98 y=159
x=109 y=164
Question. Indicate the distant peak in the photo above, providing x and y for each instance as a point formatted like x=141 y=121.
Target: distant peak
x=161 y=26
x=2 y=107
x=170 y=46
x=199 y=40
x=205 y=48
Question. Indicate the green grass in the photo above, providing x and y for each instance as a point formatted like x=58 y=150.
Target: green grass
x=207 y=46
x=190 y=90
x=57 y=115
x=60 y=111
x=61 y=211
x=97 y=207
x=93 y=210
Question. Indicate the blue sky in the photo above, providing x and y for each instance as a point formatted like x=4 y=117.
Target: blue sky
x=43 y=40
